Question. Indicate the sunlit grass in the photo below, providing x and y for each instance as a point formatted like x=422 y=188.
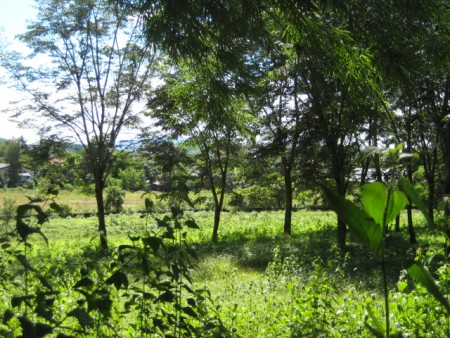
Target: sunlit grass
x=324 y=289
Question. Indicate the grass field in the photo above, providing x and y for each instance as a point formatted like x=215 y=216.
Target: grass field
x=264 y=283
x=79 y=202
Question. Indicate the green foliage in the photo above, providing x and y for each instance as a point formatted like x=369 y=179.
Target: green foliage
x=145 y=283
x=114 y=199
x=7 y=214
x=254 y=197
x=380 y=205
x=132 y=179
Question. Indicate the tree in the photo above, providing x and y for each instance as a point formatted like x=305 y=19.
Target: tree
x=165 y=158
x=48 y=147
x=355 y=53
x=12 y=157
x=97 y=69
x=281 y=128
x=204 y=107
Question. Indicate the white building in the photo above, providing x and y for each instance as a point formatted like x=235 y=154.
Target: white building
x=26 y=175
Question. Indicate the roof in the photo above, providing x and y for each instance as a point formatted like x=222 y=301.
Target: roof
x=6 y=165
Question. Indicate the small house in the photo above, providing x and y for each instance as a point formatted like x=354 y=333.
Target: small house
x=26 y=175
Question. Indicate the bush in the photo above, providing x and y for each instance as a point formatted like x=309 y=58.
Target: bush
x=8 y=214
x=62 y=210
x=254 y=197
x=132 y=179
x=114 y=199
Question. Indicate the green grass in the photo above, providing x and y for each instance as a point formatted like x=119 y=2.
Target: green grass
x=267 y=284
x=78 y=202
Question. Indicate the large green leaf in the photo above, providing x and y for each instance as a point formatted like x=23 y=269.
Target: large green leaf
x=24 y=209
x=119 y=279
x=412 y=194
x=25 y=230
x=357 y=220
x=380 y=204
x=420 y=273
x=374 y=197
x=82 y=316
x=397 y=202
x=28 y=328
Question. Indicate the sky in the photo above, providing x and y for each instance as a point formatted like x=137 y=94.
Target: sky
x=13 y=19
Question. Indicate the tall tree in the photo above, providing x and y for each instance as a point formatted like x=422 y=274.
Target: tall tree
x=12 y=157
x=96 y=69
x=204 y=108
x=280 y=129
x=349 y=47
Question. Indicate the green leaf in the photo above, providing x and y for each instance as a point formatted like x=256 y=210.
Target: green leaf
x=378 y=329
x=55 y=206
x=176 y=211
x=28 y=328
x=35 y=199
x=378 y=202
x=85 y=281
x=17 y=301
x=190 y=223
x=25 y=230
x=412 y=194
x=7 y=316
x=23 y=209
x=45 y=282
x=23 y=260
x=153 y=242
x=118 y=278
x=397 y=202
x=82 y=316
x=53 y=191
x=189 y=311
x=420 y=273
x=149 y=205
x=101 y=301
x=167 y=297
x=357 y=220
x=43 y=329
x=374 y=198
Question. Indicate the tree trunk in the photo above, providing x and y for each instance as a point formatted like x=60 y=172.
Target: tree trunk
x=101 y=212
x=288 y=206
x=397 y=223
x=215 y=234
x=444 y=128
x=412 y=233
x=431 y=198
x=341 y=189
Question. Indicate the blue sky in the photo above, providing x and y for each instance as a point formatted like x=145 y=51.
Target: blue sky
x=13 y=17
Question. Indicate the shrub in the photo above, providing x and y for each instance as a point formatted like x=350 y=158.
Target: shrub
x=132 y=179
x=254 y=197
x=114 y=199
x=8 y=214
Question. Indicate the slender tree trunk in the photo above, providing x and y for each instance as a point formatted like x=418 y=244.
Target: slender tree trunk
x=412 y=233
x=341 y=189
x=429 y=165
x=219 y=198
x=101 y=212
x=431 y=198
x=215 y=234
x=444 y=131
x=288 y=206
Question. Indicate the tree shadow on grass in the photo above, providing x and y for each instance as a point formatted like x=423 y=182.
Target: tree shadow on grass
x=358 y=265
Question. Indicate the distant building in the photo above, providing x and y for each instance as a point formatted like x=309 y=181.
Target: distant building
x=26 y=175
